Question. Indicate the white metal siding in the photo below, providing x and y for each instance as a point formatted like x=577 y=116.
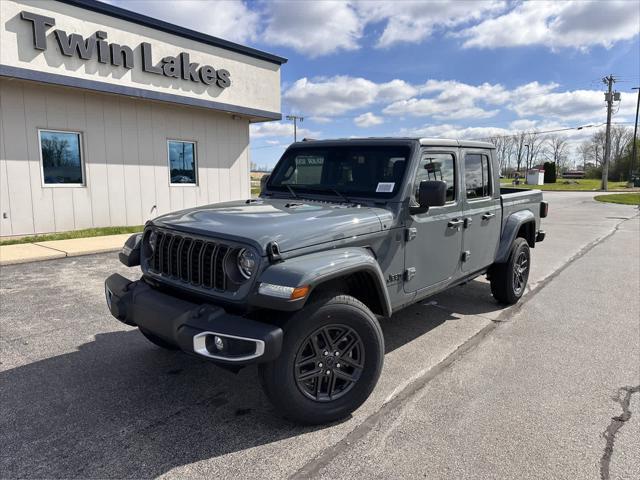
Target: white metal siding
x=124 y=155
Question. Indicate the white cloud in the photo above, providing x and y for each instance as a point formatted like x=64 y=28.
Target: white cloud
x=414 y=21
x=314 y=28
x=228 y=19
x=337 y=95
x=572 y=105
x=279 y=129
x=577 y=24
x=429 y=107
x=368 y=120
x=453 y=100
x=453 y=131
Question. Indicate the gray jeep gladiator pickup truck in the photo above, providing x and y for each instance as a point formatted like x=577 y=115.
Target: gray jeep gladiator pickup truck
x=344 y=232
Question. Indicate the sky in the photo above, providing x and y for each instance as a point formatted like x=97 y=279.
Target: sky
x=455 y=69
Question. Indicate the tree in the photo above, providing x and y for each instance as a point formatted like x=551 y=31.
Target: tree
x=585 y=150
x=557 y=151
x=519 y=140
x=536 y=144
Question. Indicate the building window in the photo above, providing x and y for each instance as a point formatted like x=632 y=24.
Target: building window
x=61 y=154
x=182 y=162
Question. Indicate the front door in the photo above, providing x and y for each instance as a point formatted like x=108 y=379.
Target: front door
x=482 y=211
x=434 y=238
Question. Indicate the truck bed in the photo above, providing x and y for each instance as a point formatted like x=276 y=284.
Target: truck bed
x=516 y=199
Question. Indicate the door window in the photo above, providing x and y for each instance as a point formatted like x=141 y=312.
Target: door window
x=477 y=175
x=437 y=166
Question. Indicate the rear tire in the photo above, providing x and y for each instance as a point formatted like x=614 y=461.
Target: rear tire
x=157 y=340
x=509 y=280
x=336 y=334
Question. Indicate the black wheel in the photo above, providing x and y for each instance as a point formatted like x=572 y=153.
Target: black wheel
x=509 y=280
x=331 y=360
x=157 y=340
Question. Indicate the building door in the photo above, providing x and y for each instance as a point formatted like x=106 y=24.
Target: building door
x=434 y=238
x=482 y=212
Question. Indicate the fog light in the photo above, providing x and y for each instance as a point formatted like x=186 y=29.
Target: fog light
x=218 y=343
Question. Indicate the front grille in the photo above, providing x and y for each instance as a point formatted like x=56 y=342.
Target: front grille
x=197 y=262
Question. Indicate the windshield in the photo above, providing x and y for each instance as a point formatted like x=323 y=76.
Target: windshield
x=370 y=171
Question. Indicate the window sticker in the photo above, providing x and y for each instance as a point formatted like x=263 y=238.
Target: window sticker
x=385 y=187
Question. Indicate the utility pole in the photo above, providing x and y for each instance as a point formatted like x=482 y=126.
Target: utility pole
x=295 y=119
x=635 y=133
x=609 y=96
x=526 y=163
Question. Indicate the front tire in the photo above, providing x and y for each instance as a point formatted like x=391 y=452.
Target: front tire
x=509 y=280
x=331 y=360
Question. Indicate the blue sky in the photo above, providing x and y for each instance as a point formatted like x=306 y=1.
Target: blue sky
x=463 y=69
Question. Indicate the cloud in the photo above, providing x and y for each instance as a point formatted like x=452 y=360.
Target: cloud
x=367 y=120
x=447 y=130
x=414 y=21
x=574 y=105
x=279 y=129
x=326 y=98
x=337 y=95
x=228 y=19
x=452 y=100
x=575 y=24
x=314 y=28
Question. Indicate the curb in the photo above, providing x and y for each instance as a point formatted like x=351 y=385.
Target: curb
x=55 y=249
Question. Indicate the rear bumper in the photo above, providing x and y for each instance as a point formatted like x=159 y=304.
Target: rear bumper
x=200 y=329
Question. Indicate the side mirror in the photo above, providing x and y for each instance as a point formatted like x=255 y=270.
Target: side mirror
x=432 y=193
x=263 y=182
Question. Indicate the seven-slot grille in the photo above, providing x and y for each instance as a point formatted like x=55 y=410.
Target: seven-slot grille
x=198 y=262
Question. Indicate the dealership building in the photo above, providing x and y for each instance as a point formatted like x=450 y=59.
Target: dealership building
x=110 y=118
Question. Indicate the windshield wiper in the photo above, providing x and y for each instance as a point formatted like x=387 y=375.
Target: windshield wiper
x=291 y=190
x=341 y=195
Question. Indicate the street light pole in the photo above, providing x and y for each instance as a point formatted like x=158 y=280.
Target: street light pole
x=526 y=162
x=635 y=133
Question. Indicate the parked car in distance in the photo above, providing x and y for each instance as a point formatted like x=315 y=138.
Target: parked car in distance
x=344 y=232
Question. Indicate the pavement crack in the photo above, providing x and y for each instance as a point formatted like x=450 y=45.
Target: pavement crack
x=623 y=397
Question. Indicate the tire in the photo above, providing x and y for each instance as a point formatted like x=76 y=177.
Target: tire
x=507 y=283
x=157 y=340
x=353 y=333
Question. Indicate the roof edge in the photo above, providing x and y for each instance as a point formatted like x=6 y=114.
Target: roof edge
x=144 y=20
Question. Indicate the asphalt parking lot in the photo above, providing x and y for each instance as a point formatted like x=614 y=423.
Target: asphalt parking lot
x=84 y=396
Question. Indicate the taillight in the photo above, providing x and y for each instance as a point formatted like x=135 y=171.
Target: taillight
x=544 y=209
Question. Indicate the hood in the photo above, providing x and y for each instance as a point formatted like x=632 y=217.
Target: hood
x=292 y=223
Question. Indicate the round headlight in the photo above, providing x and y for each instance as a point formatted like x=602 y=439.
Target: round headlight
x=247 y=261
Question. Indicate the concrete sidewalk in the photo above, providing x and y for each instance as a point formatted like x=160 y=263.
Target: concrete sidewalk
x=34 y=252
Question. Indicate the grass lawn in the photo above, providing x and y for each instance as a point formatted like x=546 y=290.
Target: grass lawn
x=585 y=184
x=623 y=198
x=88 y=232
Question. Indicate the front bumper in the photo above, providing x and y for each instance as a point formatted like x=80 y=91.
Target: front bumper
x=201 y=329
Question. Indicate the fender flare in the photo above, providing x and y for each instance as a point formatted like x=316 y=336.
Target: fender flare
x=317 y=268
x=509 y=232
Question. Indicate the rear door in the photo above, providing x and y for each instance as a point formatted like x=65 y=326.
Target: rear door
x=434 y=238
x=482 y=211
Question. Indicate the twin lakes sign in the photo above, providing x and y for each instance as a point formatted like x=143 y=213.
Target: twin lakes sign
x=123 y=56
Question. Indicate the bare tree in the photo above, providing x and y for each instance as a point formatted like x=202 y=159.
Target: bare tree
x=536 y=144
x=586 y=152
x=519 y=141
x=557 y=150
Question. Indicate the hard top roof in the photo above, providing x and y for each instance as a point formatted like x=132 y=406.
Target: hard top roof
x=427 y=142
